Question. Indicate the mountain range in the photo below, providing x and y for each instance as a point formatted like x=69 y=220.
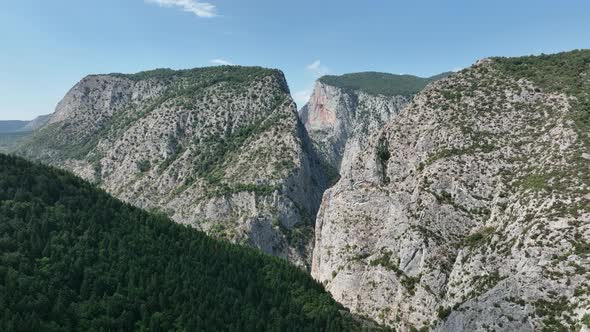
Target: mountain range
x=458 y=202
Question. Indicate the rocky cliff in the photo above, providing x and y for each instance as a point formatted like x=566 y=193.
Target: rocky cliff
x=220 y=149
x=470 y=210
x=344 y=110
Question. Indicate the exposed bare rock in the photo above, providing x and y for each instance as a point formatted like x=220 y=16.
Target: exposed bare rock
x=220 y=149
x=339 y=121
x=344 y=110
x=469 y=211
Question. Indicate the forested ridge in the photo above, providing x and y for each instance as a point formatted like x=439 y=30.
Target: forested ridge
x=74 y=258
x=375 y=83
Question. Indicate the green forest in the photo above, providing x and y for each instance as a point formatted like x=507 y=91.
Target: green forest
x=381 y=83
x=74 y=258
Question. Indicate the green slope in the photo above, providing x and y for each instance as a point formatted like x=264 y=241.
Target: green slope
x=381 y=83
x=232 y=74
x=74 y=258
x=567 y=73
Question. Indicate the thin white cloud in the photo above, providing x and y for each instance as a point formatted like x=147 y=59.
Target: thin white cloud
x=221 y=62
x=302 y=97
x=315 y=65
x=317 y=68
x=201 y=9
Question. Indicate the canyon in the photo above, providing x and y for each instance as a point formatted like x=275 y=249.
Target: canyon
x=458 y=202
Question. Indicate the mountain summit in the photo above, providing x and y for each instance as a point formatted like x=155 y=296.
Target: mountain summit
x=218 y=148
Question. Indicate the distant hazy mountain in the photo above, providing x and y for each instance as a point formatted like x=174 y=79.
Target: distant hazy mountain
x=11 y=126
x=37 y=122
x=470 y=209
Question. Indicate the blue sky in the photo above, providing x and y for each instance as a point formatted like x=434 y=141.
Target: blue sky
x=47 y=46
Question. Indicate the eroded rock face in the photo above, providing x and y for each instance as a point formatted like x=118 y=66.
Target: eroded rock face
x=469 y=211
x=340 y=120
x=220 y=149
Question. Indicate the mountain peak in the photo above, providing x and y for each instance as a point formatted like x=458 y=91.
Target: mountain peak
x=219 y=148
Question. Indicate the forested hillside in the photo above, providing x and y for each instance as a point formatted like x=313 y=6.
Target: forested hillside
x=74 y=258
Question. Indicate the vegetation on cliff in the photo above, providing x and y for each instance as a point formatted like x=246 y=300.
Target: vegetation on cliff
x=381 y=83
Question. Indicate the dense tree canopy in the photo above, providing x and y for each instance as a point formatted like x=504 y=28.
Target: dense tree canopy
x=239 y=74
x=381 y=83
x=74 y=258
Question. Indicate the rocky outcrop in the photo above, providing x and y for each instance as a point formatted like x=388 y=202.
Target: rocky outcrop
x=220 y=149
x=469 y=211
x=339 y=121
x=344 y=110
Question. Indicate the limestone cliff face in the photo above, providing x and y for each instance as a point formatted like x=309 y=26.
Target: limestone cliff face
x=468 y=211
x=220 y=149
x=340 y=120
